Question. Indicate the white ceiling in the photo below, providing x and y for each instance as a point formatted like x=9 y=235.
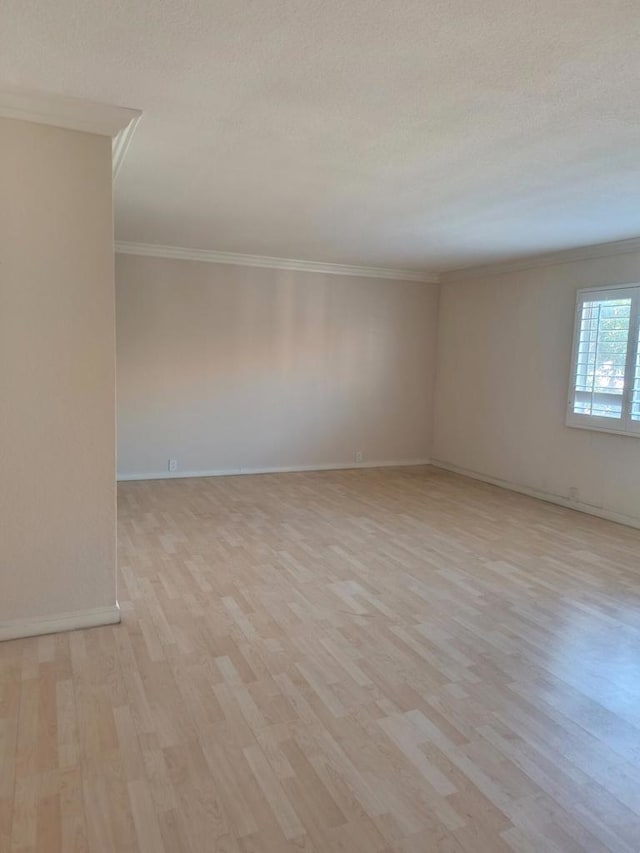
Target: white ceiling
x=425 y=134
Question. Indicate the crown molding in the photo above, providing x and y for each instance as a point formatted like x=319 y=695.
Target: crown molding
x=120 y=143
x=73 y=114
x=565 y=256
x=62 y=111
x=213 y=257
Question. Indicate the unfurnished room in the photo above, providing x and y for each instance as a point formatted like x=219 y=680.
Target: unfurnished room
x=319 y=426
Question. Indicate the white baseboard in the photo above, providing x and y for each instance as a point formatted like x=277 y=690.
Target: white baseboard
x=290 y=469
x=60 y=622
x=600 y=512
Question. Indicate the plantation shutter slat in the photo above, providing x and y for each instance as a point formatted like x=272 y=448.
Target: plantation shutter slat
x=605 y=370
x=602 y=356
x=635 y=388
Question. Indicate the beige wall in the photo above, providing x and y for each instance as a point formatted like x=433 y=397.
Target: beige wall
x=228 y=367
x=503 y=370
x=57 y=512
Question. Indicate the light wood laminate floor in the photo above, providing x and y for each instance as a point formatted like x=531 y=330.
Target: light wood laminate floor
x=375 y=660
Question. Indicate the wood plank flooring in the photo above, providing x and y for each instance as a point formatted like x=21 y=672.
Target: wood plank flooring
x=375 y=660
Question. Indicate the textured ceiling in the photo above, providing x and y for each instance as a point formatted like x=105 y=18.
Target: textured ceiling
x=428 y=134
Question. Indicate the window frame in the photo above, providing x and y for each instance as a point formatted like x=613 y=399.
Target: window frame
x=625 y=425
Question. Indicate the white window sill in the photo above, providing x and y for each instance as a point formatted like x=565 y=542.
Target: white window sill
x=603 y=428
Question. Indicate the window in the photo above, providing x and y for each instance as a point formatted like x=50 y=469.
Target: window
x=605 y=375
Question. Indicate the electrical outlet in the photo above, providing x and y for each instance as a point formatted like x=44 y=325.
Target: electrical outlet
x=173 y=465
x=573 y=493
x=358 y=456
